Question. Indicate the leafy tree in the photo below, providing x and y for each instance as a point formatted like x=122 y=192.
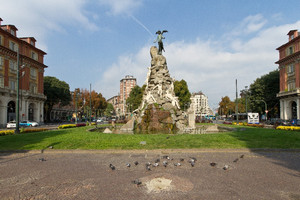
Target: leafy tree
x=226 y=106
x=109 y=111
x=57 y=92
x=182 y=92
x=98 y=102
x=135 y=98
x=265 y=88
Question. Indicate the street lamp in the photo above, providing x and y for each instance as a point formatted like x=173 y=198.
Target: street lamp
x=265 y=107
x=76 y=99
x=246 y=91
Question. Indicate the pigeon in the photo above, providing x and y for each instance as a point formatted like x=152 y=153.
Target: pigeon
x=166 y=157
x=148 y=164
x=137 y=182
x=148 y=167
x=242 y=156
x=181 y=159
x=213 y=164
x=136 y=162
x=42 y=159
x=155 y=164
x=157 y=160
x=236 y=160
x=50 y=147
x=165 y=163
x=112 y=167
x=193 y=158
x=192 y=164
x=128 y=165
x=177 y=164
x=225 y=167
x=167 y=137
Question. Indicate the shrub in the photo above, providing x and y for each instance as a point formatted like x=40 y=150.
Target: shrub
x=288 y=128
x=81 y=124
x=7 y=132
x=256 y=125
x=67 y=126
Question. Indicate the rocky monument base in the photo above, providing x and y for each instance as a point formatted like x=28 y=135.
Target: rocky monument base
x=159 y=110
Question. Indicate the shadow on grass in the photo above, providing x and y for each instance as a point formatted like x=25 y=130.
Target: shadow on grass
x=23 y=143
x=281 y=147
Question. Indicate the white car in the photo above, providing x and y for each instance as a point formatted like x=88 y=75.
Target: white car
x=11 y=124
x=99 y=120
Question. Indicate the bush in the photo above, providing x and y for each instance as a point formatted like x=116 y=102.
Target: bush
x=67 y=126
x=288 y=128
x=81 y=124
x=7 y=132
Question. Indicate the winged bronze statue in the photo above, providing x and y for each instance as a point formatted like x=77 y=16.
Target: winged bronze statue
x=159 y=41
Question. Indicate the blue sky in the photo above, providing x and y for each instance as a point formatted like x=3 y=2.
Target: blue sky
x=209 y=43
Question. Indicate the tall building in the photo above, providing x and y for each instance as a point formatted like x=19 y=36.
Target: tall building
x=126 y=84
x=200 y=103
x=31 y=76
x=289 y=70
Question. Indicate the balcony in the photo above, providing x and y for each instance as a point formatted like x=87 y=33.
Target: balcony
x=294 y=92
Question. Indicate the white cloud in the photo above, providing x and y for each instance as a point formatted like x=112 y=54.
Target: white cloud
x=39 y=17
x=205 y=65
x=121 y=6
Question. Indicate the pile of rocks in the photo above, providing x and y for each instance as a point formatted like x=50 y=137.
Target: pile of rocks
x=159 y=110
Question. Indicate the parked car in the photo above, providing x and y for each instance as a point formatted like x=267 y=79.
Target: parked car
x=11 y=124
x=29 y=123
x=99 y=120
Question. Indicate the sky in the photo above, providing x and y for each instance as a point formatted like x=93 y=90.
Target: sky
x=209 y=44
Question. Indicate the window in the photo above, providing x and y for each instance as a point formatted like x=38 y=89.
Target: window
x=33 y=88
x=291 y=70
x=33 y=73
x=34 y=55
x=13 y=32
x=0 y=39
x=13 y=46
x=12 y=85
x=1 y=62
x=1 y=82
x=291 y=86
x=13 y=66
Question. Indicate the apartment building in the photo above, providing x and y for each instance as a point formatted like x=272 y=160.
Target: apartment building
x=20 y=54
x=289 y=94
x=200 y=103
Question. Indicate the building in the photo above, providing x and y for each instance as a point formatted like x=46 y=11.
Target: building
x=126 y=84
x=31 y=76
x=115 y=101
x=200 y=103
x=289 y=70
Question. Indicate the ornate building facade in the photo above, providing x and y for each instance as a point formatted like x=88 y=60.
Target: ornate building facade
x=200 y=103
x=31 y=76
x=289 y=70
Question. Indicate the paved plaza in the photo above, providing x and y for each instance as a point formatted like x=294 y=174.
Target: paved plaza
x=79 y=174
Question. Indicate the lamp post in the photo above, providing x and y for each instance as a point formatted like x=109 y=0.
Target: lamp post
x=17 y=131
x=266 y=111
x=76 y=99
x=246 y=91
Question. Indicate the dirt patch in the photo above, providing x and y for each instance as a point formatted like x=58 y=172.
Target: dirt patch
x=166 y=182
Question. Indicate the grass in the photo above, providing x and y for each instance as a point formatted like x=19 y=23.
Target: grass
x=80 y=138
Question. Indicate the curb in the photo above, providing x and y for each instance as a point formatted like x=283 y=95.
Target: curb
x=143 y=151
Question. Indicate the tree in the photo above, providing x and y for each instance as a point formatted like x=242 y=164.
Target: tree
x=135 y=98
x=226 y=106
x=98 y=102
x=182 y=92
x=265 y=88
x=109 y=111
x=57 y=92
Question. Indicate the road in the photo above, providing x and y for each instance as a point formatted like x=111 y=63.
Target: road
x=85 y=174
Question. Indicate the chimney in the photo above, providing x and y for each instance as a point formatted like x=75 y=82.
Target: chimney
x=0 y=20
x=292 y=34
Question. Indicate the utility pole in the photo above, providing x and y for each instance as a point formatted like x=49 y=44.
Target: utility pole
x=236 y=103
x=90 y=103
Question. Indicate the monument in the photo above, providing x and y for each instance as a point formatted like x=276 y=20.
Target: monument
x=159 y=111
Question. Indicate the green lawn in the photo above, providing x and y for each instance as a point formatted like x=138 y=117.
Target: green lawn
x=80 y=138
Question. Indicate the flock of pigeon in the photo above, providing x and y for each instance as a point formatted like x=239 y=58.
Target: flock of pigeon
x=167 y=161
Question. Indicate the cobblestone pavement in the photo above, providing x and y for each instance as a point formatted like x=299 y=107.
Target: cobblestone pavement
x=79 y=174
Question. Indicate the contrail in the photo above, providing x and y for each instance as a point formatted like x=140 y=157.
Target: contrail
x=140 y=23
